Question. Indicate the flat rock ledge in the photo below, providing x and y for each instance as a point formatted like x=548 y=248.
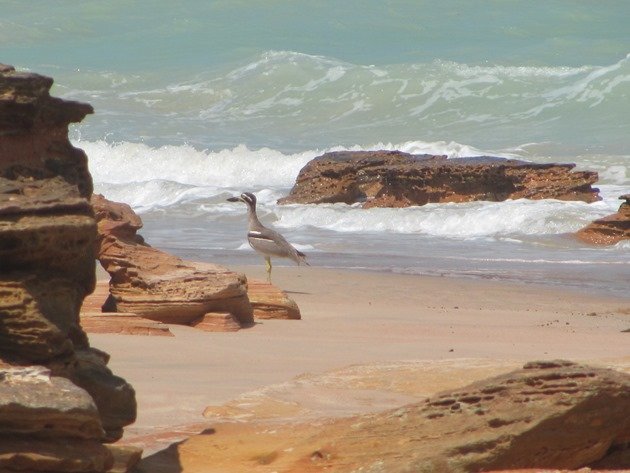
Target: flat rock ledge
x=548 y=415
x=271 y=302
x=397 y=179
x=611 y=229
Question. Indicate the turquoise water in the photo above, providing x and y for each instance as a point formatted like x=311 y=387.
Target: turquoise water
x=199 y=100
x=298 y=75
x=143 y=36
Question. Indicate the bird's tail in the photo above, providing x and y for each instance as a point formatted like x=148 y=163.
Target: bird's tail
x=301 y=258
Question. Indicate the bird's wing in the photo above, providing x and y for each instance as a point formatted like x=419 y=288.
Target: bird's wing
x=284 y=248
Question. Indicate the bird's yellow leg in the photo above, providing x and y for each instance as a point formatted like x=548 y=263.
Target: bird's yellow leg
x=268 y=261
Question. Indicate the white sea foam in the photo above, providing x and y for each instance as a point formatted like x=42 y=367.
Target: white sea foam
x=229 y=168
x=238 y=167
x=173 y=176
x=467 y=220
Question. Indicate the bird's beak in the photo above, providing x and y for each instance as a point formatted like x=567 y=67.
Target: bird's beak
x=234 y=199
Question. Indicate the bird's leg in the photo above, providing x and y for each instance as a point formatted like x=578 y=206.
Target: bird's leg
x=268 y=261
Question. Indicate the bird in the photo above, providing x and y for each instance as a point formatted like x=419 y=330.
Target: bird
x=264 y=240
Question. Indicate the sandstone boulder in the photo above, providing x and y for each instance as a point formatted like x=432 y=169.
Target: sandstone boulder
x=546 y=415
x=53 y=455
x=159 y=286
x=47 y=423
x=57 y=408
x=611 y=229
x=32 y=402
x=217 y=322
x=271 y=302
x=397 y=179
x=93 y=320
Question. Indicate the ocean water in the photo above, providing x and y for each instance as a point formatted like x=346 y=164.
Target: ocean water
x=197 y=101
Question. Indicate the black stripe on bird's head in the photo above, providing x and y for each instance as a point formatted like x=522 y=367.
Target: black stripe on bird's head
x=247 y=197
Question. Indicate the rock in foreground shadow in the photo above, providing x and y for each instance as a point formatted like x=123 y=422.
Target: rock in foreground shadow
x=397 y=179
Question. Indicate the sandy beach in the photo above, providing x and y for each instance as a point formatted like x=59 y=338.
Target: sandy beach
x=367 y=341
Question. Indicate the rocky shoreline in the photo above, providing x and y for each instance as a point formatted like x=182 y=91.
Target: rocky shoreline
x=62 y=409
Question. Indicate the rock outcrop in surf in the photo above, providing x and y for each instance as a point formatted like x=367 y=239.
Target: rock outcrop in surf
x=397 y=179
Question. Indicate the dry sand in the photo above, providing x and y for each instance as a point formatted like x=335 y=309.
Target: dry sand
x=366 y=341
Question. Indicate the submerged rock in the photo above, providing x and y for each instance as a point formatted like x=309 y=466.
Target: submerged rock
x=397 y=179
x=611 y=229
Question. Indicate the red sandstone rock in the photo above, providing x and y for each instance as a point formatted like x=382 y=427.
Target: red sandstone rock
x=47 y=267
x=548 y=415
x=397 y=179
x=609 y=230
x=159 y=286
x=120 y=323
x=271 y=302
x=217 y=322
x=93 y=320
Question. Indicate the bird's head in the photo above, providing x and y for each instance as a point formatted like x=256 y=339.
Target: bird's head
x=247 y=197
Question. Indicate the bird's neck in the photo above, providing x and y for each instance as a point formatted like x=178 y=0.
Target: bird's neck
x=253 y=218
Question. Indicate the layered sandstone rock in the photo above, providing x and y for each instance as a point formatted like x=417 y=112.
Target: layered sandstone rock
x=271 y=302
x=93 y=320
x=554 y=414
x=397 y=179
x=159 y=286
x=66 y=402
x=611 y=229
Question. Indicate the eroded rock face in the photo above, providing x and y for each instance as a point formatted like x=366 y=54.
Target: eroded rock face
x=546 y=415
x=397 y=179
x=32 y=402
x=159 y=286
x=63 y=408
x=611 y=229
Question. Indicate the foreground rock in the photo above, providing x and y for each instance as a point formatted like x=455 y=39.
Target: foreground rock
x=271 y=302
x=153 y=284
x=93 y=320
x=609 y=230
x=546 y=415
x=161 y=287
x=59 y=401
x=397 y=179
